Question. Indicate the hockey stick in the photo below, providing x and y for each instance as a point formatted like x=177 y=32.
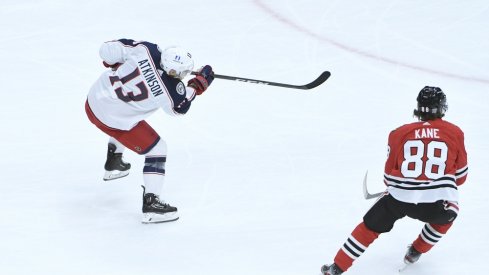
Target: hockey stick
x=366 y=194
x=318 y=81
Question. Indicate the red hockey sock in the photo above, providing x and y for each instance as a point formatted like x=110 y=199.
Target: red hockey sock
x=429 y=236
x=357 y=243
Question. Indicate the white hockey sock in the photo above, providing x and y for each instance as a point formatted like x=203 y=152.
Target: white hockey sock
x=154 y=169
x=153 y=183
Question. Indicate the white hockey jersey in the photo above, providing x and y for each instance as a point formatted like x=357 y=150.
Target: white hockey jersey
x=122 y=98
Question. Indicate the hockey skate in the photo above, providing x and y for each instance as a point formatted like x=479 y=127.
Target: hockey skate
x=331 y=270
x=412 y=255
x=156 y=211
x=115 y=167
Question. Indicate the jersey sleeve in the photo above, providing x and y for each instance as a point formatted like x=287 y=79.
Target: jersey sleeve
x=462 y=166
x=113 y=52
x=154 y=51
x=184 y=105
x=180 y=96
x=117 y=51
x=391 y=157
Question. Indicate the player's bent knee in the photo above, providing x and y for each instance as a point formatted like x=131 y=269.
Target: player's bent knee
x=378 y=221
x=447 y=216
x=382 y=215
x=451 y=215
x=378 y=226
x=160 y=149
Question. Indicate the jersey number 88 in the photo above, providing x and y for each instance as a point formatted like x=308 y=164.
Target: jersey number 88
x=414 y=163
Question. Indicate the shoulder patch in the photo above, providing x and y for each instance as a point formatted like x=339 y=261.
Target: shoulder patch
x=181 y=88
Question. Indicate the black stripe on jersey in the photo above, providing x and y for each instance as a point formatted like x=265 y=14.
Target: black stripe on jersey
x=355 y=245
x=405 y=181
x=408 y=182
x=461 y=172
x=423 y=187
x=351 y=250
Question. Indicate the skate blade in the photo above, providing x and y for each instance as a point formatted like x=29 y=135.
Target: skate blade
x=159 y=218
x=402 y=268
x=112 y=175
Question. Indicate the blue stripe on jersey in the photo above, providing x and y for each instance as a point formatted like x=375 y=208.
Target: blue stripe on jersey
x=179 y=104
x=154 y=50
x=127 y=42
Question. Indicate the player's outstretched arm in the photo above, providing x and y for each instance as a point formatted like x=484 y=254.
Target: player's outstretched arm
x=202 y=80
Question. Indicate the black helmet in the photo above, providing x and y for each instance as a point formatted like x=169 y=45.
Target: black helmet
x=432 y=104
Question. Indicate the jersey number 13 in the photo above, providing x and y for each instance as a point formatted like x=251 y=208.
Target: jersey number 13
x=130 y=96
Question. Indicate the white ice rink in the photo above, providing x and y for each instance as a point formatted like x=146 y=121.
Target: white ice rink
x=267 y=180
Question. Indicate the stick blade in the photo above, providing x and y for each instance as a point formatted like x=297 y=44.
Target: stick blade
x=318 y=81
x=366 y=194
x=365 y=191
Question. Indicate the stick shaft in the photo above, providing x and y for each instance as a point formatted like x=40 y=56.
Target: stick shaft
x=318 y=81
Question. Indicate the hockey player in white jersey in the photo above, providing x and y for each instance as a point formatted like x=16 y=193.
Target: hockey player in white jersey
x=142 y=79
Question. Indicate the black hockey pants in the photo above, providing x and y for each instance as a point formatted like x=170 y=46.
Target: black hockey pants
x=387 y=210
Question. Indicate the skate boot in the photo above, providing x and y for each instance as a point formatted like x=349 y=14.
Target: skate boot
x=115 y=167
x=412 y=255
x=156 y=211
x=331 y=270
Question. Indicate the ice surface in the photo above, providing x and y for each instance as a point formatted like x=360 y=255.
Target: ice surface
x=267 y=180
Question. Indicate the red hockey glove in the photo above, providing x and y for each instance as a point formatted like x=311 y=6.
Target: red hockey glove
x=202 y=80
x=113 y=67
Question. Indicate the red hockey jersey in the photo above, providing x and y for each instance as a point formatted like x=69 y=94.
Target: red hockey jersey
x=426 y=162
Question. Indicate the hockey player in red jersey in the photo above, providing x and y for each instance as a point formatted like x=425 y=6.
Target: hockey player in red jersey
x=142 y=79
x=426 y=163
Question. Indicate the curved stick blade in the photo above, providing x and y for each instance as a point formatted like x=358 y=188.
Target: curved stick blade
x=366 y=194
